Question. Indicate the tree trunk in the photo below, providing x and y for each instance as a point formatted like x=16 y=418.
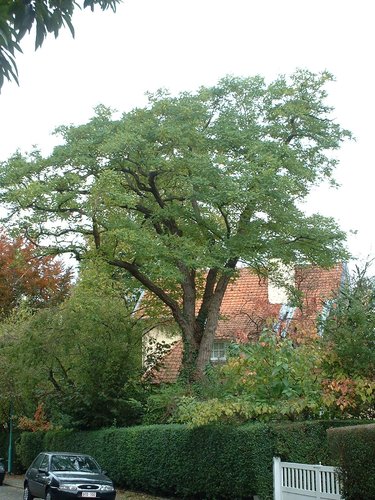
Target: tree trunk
x=208 y=337
x=189 y=360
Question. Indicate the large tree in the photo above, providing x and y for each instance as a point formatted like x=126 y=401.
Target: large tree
x=17 y=17
x=180 y=192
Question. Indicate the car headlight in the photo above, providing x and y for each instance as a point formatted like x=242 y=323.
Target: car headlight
x=106 y=488
x=72 y=488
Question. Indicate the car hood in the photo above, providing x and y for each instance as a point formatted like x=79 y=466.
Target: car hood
x=79 y=477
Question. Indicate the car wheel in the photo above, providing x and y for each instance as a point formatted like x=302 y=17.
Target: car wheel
x=48 y=495
x=26 y=493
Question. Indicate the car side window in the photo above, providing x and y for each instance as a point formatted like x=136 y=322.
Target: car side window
x=44 y=463
x=38 y=461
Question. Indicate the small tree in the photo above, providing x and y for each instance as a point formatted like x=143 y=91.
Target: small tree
x=349 y=339
x=81 y=359
x=27 y=277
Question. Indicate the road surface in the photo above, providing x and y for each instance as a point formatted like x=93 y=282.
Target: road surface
x=10 y=493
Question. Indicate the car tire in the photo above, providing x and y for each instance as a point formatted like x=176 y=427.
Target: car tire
x=48 y=495
x=26 y=493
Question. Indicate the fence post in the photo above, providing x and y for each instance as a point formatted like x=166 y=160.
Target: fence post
x=276 y=478
x=318 y=484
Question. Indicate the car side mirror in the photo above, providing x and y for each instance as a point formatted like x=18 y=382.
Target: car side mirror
x=42 y=470
x=104 y=471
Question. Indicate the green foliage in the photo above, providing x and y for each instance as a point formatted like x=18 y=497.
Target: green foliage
x=11 y=367
x=354 y=449
x=212 y=462
x=48 y=16
x=305 y=442
x=276 y=378
x=81 y=359
x=348 y=342
x=162 y=402
x=262 y=380
x=207 y=462
x=4 y=448
x=197 y=162
x=28 y=446
x=349 y=330
x=198 y=181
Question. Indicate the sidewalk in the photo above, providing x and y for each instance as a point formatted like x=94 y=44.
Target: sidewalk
x=14 y=481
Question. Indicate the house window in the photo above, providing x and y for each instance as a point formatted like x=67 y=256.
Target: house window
x=327 y=306
x=219 y=351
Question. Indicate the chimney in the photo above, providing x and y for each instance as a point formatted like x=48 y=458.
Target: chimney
x=281 y=276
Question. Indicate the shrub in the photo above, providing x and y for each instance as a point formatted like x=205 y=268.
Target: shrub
x=354 y=449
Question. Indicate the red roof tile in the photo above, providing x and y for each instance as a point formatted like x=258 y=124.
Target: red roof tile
x=246 y=309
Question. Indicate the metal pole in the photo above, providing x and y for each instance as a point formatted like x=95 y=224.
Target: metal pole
x=10 y=447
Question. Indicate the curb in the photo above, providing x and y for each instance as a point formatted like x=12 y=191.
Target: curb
x=13 y=482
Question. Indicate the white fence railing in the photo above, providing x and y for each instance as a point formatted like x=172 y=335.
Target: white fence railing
x=293 y=481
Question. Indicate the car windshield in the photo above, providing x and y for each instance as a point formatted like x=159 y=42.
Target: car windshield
x=73 y=463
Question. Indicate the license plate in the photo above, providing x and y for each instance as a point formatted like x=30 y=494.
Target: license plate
x=89 y=494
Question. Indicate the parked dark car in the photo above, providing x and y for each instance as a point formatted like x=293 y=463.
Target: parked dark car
x=66 y=476
x=2 y=471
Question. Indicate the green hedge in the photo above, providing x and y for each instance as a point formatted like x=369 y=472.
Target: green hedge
x=4 y=448
x=4 y=440
x=306 y=442
x=354 y=449
x=207 y=462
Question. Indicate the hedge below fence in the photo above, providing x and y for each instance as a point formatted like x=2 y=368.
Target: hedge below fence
x=354 y=448
x=206 y=462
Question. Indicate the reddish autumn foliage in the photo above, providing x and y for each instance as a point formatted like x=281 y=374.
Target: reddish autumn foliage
x=38 y=423
x=41 y=280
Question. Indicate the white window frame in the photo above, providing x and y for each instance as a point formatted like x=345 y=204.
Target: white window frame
x=219 y=351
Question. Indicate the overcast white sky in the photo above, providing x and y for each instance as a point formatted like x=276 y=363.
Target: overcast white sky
x=183 y=44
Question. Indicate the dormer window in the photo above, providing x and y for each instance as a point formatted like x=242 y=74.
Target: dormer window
x=285 y=317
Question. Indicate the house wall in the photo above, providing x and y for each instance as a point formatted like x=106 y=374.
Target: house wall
x=278 y=294
x=155 y=341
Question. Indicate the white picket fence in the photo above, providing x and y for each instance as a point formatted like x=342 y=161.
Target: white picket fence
x=302 y=481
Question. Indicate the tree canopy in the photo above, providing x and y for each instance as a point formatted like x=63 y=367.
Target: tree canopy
x=81 y=359
x=26 y=277
x=178 y=193
x=17 y=17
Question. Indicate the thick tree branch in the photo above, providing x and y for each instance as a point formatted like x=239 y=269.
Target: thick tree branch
x=134 y=270
x=154 y=190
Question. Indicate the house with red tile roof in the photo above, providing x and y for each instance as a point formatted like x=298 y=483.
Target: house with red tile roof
x=252 y=303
